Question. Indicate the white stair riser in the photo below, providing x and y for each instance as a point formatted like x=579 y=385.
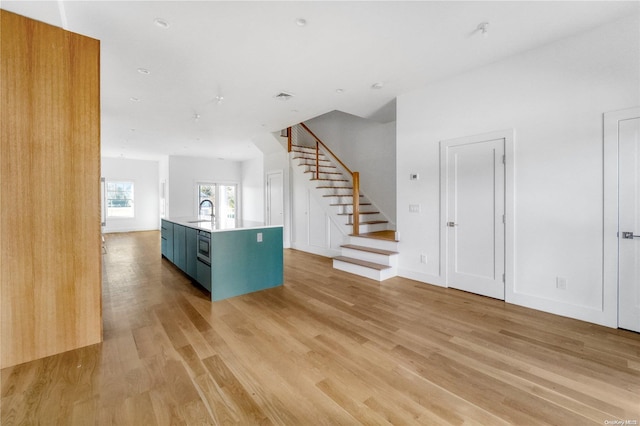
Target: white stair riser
x=312 y=175
x=336 y=190
x=373 y=243
x=373 y=228
x=382 y=259
x=365 y=218
x=363 y=271
x=341 y=199
x=348 y=209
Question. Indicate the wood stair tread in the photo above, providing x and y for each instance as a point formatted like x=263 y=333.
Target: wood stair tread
x=349 y=214
x=349 y=204
x=379 y=235
x=371 y=265
x=342 y=195
x=326 y=173
x=371 y=222
x=369 y=249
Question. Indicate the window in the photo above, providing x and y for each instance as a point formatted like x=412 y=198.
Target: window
x=120 y=199
x=218 y=200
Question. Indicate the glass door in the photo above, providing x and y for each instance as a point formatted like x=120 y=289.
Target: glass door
x=227 y=206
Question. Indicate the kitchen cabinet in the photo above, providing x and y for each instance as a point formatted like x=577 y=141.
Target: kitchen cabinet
x=192 y=252
x=167 y=239
x=180 y=247
x=233 y=260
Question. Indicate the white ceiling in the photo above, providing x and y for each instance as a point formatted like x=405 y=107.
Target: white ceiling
x=247 y=52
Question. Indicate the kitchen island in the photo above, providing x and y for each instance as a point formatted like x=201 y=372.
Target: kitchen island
x=228 y=260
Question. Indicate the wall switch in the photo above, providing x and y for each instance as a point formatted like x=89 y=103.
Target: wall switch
x=423 y=258
x=414 y=176
x=414 y=208
x=561 y=283
x=259 y=237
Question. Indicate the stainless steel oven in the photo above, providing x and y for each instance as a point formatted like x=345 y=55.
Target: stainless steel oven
x=204 y=247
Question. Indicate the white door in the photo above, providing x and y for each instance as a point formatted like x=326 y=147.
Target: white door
x=275 y=204
x=629 y=223
x=475 y=207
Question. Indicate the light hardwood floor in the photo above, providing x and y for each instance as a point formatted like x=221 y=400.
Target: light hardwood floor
x=326 y=348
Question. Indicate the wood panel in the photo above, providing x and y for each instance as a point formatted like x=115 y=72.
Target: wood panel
x=328 y=348
x=50 y=255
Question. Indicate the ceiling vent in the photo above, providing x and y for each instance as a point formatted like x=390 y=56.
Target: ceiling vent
x=284 y=96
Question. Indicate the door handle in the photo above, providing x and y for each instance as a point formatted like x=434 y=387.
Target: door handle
x=451 y=224
x=629 y=236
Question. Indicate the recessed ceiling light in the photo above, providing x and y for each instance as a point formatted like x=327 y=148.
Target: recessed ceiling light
x=377 y=86
x=134 y=99
x=339 y=90
x=161 y=23
x=301 y=22
x=144 y=71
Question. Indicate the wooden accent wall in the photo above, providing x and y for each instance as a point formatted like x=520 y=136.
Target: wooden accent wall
x=50 y=243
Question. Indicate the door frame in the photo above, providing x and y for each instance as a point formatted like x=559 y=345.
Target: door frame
x=610 y=291
x=509 y=236
x=267 y=203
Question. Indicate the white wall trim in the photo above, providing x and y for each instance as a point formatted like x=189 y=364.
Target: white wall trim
x=422 y=277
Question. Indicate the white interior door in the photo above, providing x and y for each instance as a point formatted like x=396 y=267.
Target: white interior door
x=275 y=199
x=629 y=224
x=475 y=197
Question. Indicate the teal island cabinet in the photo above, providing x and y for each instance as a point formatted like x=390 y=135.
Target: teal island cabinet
x=227 y=260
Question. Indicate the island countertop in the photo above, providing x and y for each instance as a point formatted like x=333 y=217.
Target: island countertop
x=204 y=223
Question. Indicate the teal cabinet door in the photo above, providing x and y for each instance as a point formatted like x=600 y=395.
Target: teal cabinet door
x=167 y=239
x=180 y=247
x=192 y=253
x=203 y=274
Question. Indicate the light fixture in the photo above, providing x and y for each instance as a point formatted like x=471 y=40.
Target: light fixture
x=144 y=71
x=339 y=90
x=161 y=23
x=219 y=99
x=196 y=117
x=301 y=22
x=483 y=28
x=134 y=99
x=377 y=86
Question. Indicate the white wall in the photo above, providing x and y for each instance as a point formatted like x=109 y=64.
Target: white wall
x=253 y=190
x=144 y=175
x=554 y=98
x=367 y=147
x=186 y=172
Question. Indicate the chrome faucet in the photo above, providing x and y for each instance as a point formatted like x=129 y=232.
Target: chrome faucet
x=205 y=204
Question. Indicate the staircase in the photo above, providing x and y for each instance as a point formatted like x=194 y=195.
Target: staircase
x=373 y=252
